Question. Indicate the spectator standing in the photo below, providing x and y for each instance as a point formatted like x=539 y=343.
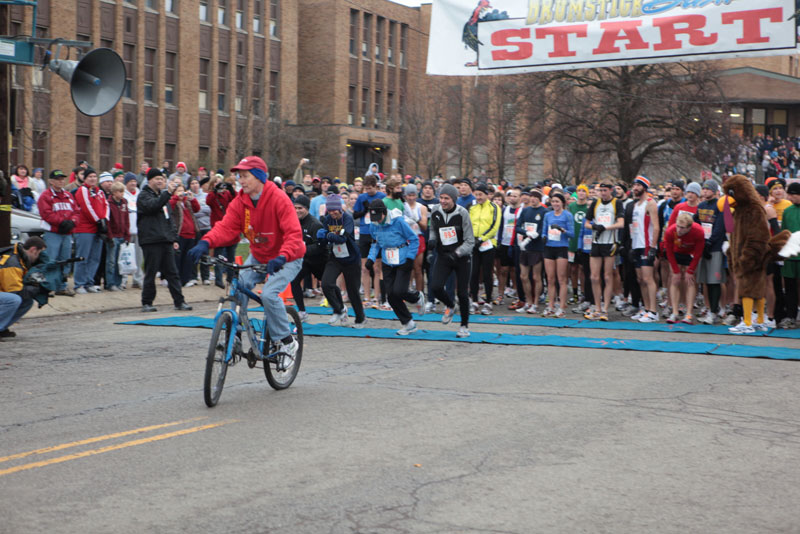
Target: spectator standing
x=203 y=218
x=219 y=197
x=118 y=233
x=59 y=214
x=37 y=184
x=132 y=196
x=180 y=173
x=183 y=206
x=90 y=230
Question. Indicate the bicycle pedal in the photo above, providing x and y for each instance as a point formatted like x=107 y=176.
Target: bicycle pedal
x=251 y=359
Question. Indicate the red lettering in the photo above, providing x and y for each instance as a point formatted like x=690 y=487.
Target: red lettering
x=694 y=25
x=561 y=38
x=611 y=34
x=519 y=50
x=751 y=23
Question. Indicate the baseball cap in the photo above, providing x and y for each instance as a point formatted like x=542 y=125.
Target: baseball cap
x=250 y=162
x=57 y=175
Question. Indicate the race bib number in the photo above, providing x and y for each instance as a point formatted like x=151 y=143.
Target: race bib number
x=366 y=219
x=485 y=245
x=448 y=235
x=553 y=234
x=605 y=219
x=508 y=232
x=707 y=230
x=587 y=242
x=340 y=250
x=357 y=232
x=571 y=257
x=530 y=227
x=634 y=227
x=392 y=256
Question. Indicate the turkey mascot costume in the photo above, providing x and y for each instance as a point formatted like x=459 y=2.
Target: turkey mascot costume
x=751 y=247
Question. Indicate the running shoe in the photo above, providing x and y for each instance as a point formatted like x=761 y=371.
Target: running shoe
x=359 y=326
x=582 y=307
x=741 y=328
x=708 y=318
x=559 y=313
x=386 y=307
x=80 y=290
x=288 y=352
x=421 y=304
x=429 y=307
x=672 y=319
x=463 y=331
x=408 y=328
x=473 y=307
x=486 y=309
x=517 y=305
x=447 y=316
x=303 y=316
x=631 y=311
x=603 y=316
x=531 y=309
x=770 y=323
x=648 y=317
x=547 y=312
x=374 y=304
x=638 y=315
x=498 y=301
x=688 y=319
x=761 y=327
x=590 y=313
x=786 y=323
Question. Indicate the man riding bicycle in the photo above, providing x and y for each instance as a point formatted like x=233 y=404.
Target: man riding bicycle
x=267 y=218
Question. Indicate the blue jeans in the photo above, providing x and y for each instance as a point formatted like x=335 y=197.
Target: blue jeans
x=89 y=246
x=274 y=309
x=12 y=308
x=59 y=248
x=113 y=278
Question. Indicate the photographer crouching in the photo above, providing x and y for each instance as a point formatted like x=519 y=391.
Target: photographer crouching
x=16 y=294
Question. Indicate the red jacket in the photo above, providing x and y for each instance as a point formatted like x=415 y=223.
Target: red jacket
x=218 y=202
x=119 y=222
x=55 y=207
x=183 y=210
x=692 y=243
x=92 y=206
x=272 y=227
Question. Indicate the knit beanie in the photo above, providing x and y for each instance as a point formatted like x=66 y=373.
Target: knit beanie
x=450 y=191
x=333 y=203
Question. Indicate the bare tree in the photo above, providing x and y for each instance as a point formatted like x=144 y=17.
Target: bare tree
x=422 y=134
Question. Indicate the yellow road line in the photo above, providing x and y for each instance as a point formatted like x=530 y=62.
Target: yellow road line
x=109 y=448
x=96 y=439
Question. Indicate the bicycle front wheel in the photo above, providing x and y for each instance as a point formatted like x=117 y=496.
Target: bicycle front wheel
x=216 y=364
x=283 y=379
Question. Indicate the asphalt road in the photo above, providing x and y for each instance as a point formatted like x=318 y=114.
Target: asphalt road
x=103 y=429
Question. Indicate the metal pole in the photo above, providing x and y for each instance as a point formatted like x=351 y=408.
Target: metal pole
x=5 y=129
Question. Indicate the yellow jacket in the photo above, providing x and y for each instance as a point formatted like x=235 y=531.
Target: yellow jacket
x=486 y=220
x=12 y=270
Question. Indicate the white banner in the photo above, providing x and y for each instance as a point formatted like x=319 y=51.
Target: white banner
x=487 y=37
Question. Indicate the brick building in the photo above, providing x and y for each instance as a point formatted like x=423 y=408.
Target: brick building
x=212 y=80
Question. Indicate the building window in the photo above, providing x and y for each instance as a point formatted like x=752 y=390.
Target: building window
x=392 y=42
x=403 y=44
x=204 y=11
x=258 y=13
x=129 y=58
x=149 y=73
x=365 y=37
x=106 y=152
x=353 y=32
x=273 y=93
x=258 y=91
x=169 y=151
x=240 y=85
x=171 y=6
x=379 y=22
x=150 y=152
x=222 y=13
x=222 y=85
x=151 y=4
x=389 y=111
x=274 y=10
x=170 y=64
x=128 y=153
x=351 y=105
x=240 y=20
x=82 y=147
x=364 y=106
x=203 y=83
x=376 y=118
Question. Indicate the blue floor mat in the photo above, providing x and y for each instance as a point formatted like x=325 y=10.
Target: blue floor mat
x=746 y=351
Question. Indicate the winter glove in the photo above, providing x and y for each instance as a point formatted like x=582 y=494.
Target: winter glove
x=321 y=233
x=451 y=256
x=598 y=227
x=524 y=243
x=332 y=237
x=199 y=250
x=275 y=265
x=725 y=246
x=707 y=250
x=533 y=234
x=102 y=227
x=429 y=257
x=368 y=265
x=66 y=226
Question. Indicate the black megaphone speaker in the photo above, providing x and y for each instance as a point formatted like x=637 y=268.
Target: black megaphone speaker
x=96 y=81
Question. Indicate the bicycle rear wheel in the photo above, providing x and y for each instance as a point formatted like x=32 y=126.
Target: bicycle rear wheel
x=216 y=365
x=283 y=379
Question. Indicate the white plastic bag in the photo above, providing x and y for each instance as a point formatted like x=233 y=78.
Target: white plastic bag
x=127 y=259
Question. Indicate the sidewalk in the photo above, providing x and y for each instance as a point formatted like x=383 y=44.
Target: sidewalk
x=117 y=300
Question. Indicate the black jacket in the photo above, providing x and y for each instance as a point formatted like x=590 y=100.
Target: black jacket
x=152 y=222
x=314 y=252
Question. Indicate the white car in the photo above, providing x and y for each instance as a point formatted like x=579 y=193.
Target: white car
x=25 y=224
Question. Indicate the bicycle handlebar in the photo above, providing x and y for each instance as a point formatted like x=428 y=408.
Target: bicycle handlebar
x=219 y=260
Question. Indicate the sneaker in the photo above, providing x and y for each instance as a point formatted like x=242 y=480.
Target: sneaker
x=463 y=331
x=288 y=351
x=559 y=313
x=374 y=304
x=708 y=318
x=620 y=303
x=473 y=307
x=547 y=312
x=308 y=293
x=421 y=304
x=786 y=323
x=429 y=307
x=521 y=309
x=638 y=316
x=338 y=319
x=136 y=285
x=148 y=308
x=531 y=309
x=66 y=292
x=730 y=320
x=741 y=328
x=761 y=327
x=303 y=316
x=672 y=319
x=93 y=289
x=114 y=288
x=190 y=283
x=183 y=307
x=631 y=311
x=408 y=328
x=648 y=317
x=359 y=326
x=591 y=314
x=81 y=290
x=510 y=292
x=487 y=309
x=386 y=307
x=205 y=283
x=7 y=333
x=498 y=301
x=769 y=323
x=516 y=305
x=688 y=319
x=602 y=316
x=581 y=308
x=447 y=316
x=164 y=283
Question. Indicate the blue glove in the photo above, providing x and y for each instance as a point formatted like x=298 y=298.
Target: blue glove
x=273 y=266
x=331 y=236
x=321 y=233
x=200 y=249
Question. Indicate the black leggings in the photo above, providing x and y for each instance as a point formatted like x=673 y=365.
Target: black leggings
x=316 y=268
x=790 y=299
x=396 y=280
x=441 y=271
x=352 y=281
x=714 y=293
x=482 y=264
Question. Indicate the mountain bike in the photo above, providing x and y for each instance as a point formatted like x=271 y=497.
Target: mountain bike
x=225 y=348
